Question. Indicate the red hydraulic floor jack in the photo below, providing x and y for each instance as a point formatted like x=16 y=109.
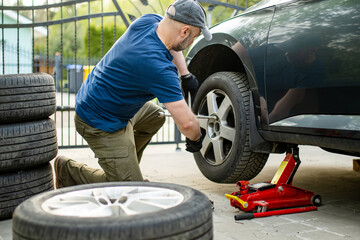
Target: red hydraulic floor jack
x=278 y=194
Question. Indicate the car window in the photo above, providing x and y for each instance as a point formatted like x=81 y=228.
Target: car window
x=265 y=4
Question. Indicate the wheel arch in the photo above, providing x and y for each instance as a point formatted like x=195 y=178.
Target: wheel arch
x=223 y=54
x=214 y=58
x=228 y=54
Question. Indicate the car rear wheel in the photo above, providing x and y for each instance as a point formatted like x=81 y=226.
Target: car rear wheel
x=226 y=156
x=117 y=210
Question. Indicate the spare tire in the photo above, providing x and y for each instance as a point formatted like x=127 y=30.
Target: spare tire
x=29 y=144
x=18 y=186
x=26 y=97
x=116 y=210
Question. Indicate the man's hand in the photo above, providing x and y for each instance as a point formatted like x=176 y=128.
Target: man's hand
x=193 y=146
x=189 y=83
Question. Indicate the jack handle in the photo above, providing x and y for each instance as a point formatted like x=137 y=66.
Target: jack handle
x=275 y=212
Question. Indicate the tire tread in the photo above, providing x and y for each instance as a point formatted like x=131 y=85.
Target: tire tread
x=28 y=144
x=249 y=164
x=26 y=97
x=18 y=186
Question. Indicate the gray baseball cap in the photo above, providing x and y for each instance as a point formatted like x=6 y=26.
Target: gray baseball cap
x=190 y=12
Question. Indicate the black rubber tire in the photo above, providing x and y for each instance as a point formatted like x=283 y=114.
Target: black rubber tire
x=17 y=187
x=29 y=144
x=26 y=97
x=191 y=219
x=316 y=200
x=240 y=162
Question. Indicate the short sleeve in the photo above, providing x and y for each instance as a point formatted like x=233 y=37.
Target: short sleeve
x=166 y=85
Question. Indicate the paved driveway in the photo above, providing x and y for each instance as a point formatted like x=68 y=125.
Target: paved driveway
x=327 y=174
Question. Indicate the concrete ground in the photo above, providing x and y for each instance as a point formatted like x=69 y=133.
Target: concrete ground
x=329 y=175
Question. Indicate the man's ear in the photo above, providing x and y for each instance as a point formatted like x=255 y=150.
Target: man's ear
x=185 y=31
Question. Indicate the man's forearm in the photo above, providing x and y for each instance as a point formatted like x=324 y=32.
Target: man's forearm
x=184 y=118
x=179 y=62
x=191 y=131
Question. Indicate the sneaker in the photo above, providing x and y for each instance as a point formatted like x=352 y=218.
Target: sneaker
x=58 y=164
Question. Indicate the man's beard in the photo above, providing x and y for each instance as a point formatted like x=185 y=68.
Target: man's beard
x=182 y=45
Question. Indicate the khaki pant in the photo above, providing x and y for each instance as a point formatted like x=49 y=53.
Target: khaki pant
x=119 y=153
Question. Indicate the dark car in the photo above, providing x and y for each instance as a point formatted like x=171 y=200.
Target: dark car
x=281 y=74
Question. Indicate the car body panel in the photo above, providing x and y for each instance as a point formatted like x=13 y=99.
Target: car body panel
x=302 y=59
x=231 y=46
x=329 y=83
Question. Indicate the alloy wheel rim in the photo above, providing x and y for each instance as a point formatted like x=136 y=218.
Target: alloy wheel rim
x=220 y=132
x=112 y=201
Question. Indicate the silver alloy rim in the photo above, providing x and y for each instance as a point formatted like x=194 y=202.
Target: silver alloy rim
x=112 y=201
x=220 y=132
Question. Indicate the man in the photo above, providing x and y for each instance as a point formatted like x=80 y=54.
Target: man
x=114 y=113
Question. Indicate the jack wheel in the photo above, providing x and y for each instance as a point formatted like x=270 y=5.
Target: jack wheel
x=260 y=209
x=316 y=200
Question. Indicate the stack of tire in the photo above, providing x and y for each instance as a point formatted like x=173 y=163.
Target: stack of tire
x=28 y=139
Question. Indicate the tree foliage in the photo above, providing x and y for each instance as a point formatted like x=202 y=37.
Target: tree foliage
x=101 y=40
x=62 y=37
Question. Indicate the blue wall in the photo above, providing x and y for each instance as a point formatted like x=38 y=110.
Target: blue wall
x=10 y=48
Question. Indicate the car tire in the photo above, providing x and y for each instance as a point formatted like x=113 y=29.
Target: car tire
x=26 y=97
x=19 y=186
x=25 y=145
x=226 y=156
x=62 y=215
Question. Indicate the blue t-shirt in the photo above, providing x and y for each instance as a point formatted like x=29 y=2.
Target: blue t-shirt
x=136 y=69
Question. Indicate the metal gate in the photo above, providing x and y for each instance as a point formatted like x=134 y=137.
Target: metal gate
x=67 y=38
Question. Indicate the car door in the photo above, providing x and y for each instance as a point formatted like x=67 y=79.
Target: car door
x=312 y=68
